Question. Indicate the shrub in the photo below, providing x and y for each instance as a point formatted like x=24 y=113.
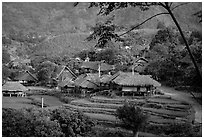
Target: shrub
x=73 y=124
x=173 y=129
x=15 y=124
x=28 y=123
x=133 y=117
x=35 y=122
x=107 y=132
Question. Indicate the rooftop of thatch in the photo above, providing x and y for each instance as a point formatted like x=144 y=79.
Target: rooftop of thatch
x=62 y=69
x=138 y=80
x=26 y=76
x=67 y=83
x=87 y=81
x=13 y=86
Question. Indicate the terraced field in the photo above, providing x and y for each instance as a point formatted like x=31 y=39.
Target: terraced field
x=161 y=109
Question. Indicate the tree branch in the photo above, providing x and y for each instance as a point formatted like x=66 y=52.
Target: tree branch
x=142 y=23
x=171 y=4
x=179 y=5
x=160 y=3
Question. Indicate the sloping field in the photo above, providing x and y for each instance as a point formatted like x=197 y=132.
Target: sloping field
x=103 y=109
x=165 y=101
x=16 y=102
x=48 y=100
x=99 y=99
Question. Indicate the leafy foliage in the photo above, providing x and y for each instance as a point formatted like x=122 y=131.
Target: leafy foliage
x=72 y=124
x=105 y=32
x=170 y=62
x=5 y=72
x=173 y=130
x=34 y=122
x=43 y=76
x=5 y=56
x=28 y=123
x=108 y=7
x=132 y=117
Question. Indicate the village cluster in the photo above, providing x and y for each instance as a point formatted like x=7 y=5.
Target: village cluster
x=97 y=76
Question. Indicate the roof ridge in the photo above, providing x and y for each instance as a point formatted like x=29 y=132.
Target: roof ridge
x=31 y=75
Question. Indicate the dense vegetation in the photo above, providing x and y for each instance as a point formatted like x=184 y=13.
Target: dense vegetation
x=35 y=122
x=133 y=117
x=170 y=62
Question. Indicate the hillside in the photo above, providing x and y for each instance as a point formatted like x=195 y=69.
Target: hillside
x=66 y=44
x=66 y=26
x=62 y=17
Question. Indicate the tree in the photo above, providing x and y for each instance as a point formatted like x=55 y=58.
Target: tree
x=30 y=122
x=5 y=72
x=72 y=124
x=5 y=56
x=15 y=124
x=37 y=122
x=108 y=7
x=132 y=117
x=43 y=76
x=104 y=32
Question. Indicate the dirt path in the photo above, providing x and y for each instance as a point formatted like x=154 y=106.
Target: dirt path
x=179 y=95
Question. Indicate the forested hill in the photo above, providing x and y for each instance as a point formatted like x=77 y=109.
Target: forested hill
x=64 y=27
x=58 y=18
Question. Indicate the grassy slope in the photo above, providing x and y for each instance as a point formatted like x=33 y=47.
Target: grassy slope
x=66 y=44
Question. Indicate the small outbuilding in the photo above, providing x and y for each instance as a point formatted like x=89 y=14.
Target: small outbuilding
x=14 y=88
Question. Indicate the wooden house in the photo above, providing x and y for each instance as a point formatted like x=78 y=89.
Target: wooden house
x=134 y=84
x=66 y=86
x=14 y=88
x=63 y=73
x=138 y=65
x=87 y=82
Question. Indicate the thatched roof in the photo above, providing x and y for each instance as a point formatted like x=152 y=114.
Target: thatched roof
x=67 y=83
x=26 y=76
x=128 y=79
x=118 y=76
x=13 y=86
x=64 y=69
x=138 y=80
x=87 y=81
x=105 y=78
x=138 y=67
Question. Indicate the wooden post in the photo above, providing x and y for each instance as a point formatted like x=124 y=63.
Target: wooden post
x=99 y=70
x=133 y=67
x=42 y=101
x=10 y=94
